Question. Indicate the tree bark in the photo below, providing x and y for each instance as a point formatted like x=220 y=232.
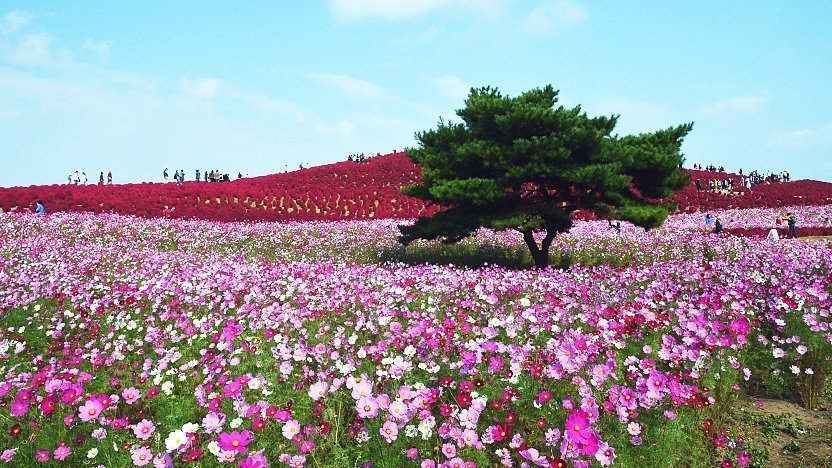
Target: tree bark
x=540 y=254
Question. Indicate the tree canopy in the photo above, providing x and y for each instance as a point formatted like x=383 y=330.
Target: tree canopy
x=521 y=163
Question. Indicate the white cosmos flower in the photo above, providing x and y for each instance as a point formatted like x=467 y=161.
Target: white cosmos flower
x=175 y=440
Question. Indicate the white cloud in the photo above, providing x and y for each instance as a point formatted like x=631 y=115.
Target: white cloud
x=351 y=10
x=202 y=88
x=735 y=104
x=553 y=16
x=33 y=50
x=102 y=49
x=804 y=138
x=353 y=87
x=14 y=21
x=452 y=87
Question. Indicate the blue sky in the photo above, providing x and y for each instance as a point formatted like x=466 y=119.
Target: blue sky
x=257 y=86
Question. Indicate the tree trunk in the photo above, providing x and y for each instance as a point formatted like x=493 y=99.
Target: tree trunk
x=540 y=254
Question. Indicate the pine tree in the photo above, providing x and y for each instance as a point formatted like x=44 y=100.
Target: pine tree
x=521 y=163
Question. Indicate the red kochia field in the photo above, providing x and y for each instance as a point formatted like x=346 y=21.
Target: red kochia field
x=345 y=190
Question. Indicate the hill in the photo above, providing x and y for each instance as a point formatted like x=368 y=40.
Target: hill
x=346 y=190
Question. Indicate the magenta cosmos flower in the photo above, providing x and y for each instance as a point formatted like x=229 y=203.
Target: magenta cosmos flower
x=235 y=441
x=577 y=427
x=19 y=408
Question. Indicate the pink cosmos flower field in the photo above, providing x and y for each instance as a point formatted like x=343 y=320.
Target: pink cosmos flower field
x=129 y=341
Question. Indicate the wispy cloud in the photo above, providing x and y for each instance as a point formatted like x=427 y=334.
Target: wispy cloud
x=33 y=50
x=353 y=87
x=201 y=88
x=553 y=16
x=100 y=48
x=352 y=10
x=804 y=138
x=14 y=21
x=735 y=104
x=452 y=87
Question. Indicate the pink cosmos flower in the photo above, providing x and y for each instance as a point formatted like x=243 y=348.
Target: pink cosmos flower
x=90 y=410
x=362 y=389
x=367 y=407
x=144 y=429
x=390 y=431
x=62 y=452
x=7 y=455
x=534 y=456
x=213 y=422
x=398 y=410
x=42 y=456
x=235 y=441
x=142 y=456
x=255 y=460
x=605 y=454
x=163 y=460
x=449 y=450
x=317 y=390
x=291 y=429
x=131 y=395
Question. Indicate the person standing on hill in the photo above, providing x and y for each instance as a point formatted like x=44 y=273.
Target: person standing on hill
x=197 y=175
x=109 y=177
x=175 y=176
x=39 y=209
x=101 y=178
x=165 y=175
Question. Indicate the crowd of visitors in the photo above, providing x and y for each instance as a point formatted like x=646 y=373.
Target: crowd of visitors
x=200 y=176
x=789 y=218
x=729 y=182
x=360 y=157
x=80 y=178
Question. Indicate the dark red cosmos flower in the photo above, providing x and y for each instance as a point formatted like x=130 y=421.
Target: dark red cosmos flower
x=464 y=399
x=193 y=455
x=500 y=432
x=558 y=463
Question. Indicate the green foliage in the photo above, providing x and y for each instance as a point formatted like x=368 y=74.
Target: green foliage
x=521 y=163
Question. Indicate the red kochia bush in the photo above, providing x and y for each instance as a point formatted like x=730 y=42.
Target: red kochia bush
x=345 y=190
